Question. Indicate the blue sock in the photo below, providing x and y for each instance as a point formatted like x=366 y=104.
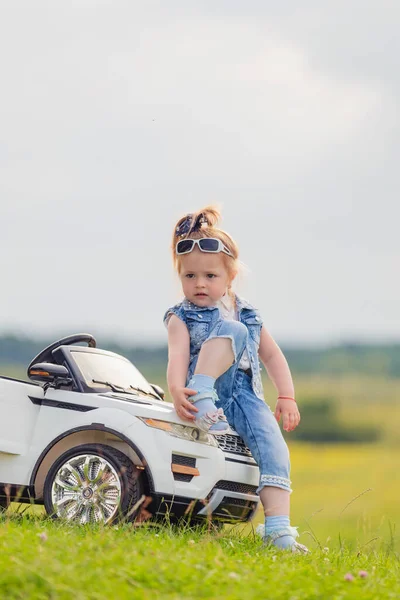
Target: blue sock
x=204 y=386
x=273 y=524
x=201 y=383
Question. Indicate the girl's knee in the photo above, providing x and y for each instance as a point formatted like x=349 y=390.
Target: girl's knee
x=235 y=330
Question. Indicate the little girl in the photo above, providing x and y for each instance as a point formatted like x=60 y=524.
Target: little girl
x=215 y=341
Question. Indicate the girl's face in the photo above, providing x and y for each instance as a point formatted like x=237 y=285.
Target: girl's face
x=204 y=277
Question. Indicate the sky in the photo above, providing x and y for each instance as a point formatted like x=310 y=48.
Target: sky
x=118 y=117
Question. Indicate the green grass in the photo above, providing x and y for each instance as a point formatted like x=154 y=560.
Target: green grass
x=349 y=489
x=42 y=559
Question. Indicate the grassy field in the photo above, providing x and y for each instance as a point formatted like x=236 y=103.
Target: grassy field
x=348 y=492
x=345 y=503
x=40 y=559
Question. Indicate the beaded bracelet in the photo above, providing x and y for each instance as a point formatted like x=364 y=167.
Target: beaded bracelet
x=286 y=398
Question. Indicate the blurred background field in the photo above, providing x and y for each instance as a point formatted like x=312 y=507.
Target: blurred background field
x=328 y=476
x=345 y=453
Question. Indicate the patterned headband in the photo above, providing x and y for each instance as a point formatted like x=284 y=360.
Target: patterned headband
x=186 y=227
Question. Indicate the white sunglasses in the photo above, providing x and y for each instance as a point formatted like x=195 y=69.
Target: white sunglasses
x=213 y=245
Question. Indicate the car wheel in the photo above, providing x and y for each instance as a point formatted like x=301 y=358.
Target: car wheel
x=92 y=483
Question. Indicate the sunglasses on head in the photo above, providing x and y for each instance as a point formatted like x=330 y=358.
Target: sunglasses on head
x=205 y=245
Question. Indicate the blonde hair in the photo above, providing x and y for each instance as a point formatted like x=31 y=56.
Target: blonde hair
x=200 y=225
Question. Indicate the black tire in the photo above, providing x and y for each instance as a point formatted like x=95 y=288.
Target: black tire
x=4 y=504
x=127 y=473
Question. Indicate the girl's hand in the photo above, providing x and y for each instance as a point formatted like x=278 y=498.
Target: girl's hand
x=287 y=409
x=183 y=407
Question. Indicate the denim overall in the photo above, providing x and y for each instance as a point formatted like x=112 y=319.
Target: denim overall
x=240 y=395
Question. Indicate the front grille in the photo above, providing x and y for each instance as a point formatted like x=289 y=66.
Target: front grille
x=233 y=444
x=234 y=509
x=233 y=486
x=234 y=501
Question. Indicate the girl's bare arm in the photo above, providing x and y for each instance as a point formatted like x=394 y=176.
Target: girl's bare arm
x=278 y=371
x=178 y=363
x=276 y=364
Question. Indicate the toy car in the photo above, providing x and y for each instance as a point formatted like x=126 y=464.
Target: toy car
x=91 y=439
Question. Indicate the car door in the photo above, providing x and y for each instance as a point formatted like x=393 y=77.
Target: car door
x=18 y=414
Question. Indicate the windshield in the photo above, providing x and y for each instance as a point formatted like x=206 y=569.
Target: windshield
x=115 y=369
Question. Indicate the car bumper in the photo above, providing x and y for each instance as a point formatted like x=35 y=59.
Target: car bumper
x=223 y=488
x=221 y=505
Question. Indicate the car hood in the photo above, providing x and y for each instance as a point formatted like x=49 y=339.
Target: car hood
x=140 y=406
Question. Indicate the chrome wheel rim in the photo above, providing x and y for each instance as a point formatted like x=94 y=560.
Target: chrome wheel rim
x=86 y=489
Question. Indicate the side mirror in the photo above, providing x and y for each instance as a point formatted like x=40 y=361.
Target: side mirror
x=49 y=373
x=158 y=390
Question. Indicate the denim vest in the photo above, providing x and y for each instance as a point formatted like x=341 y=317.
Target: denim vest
x=201 y=320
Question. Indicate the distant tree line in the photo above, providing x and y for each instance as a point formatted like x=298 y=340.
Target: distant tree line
x=367 y=359
x=20 y=351
x=320 y=424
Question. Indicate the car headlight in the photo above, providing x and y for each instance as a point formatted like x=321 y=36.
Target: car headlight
x=185 y=432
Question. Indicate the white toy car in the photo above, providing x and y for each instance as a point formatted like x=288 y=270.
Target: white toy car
x=91 y=439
